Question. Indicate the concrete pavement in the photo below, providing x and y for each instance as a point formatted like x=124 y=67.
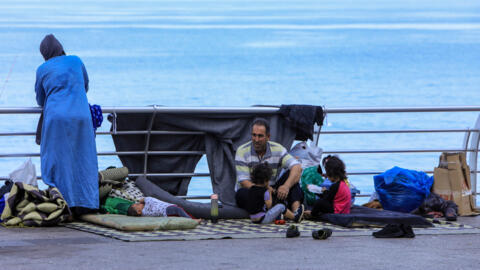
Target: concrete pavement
x=63 y=248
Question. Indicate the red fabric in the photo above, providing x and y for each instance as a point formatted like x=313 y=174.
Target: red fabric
x=342 y=200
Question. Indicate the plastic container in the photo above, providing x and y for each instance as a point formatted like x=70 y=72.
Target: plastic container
x=214 y=208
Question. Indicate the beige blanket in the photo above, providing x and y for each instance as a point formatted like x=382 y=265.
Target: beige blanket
x=128 y=223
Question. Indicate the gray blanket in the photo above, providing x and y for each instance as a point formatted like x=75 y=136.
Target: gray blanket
x=223 y=134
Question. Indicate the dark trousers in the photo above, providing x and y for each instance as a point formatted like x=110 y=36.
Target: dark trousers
x=322 y=206
x=295 y=194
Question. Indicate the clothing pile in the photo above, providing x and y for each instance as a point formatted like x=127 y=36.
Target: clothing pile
x=110 y=178
x=28 y=206
x=128 y=191
x=435 y=206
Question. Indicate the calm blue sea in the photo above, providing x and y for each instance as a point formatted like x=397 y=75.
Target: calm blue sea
x=240 y=53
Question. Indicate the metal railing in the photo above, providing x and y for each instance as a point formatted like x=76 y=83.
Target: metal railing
x=470 y=145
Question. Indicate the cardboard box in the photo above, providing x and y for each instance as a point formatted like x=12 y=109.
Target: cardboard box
x=452 y=182
x=441 y=184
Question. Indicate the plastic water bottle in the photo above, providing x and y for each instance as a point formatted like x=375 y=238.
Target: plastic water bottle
x=214 y=208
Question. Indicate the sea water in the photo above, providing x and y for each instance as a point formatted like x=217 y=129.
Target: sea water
x=240 y=53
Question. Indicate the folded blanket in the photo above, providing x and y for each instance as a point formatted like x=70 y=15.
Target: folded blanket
x=28 y=206
x=126 y=223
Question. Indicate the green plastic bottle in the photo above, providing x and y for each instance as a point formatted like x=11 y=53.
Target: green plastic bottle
x=214 y=208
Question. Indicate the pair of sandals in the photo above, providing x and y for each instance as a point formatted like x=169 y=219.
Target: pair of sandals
x=321 y=234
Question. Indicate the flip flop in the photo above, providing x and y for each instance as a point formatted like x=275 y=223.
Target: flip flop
x=321 y=234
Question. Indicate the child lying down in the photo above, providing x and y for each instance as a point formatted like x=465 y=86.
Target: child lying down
x=151 y=207
x=147 y=206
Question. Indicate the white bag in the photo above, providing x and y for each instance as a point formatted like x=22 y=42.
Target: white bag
x=309 y=156
x=25 y=173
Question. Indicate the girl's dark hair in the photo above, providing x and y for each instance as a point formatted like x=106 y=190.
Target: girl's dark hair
x=334 y=167
x=132 y=212
x=324 y=160
x=261 y=173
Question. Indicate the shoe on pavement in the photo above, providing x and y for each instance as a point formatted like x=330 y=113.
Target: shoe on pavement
x=389 y=231
x=293 y=231
x=322 y=234
x=407 y=231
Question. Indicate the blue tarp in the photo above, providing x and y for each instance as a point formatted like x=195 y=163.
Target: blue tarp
x=402 y=190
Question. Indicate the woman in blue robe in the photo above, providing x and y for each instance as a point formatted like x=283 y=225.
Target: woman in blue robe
x=67 y=149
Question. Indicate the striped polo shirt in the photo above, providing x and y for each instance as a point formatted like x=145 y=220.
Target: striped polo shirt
x=276 y=155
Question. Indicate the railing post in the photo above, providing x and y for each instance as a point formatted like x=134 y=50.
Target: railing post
x=475 y=139
x=466 y=140
x=147 y=143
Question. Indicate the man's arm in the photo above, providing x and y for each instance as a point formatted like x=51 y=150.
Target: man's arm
x=242 y=169
x=293 y=178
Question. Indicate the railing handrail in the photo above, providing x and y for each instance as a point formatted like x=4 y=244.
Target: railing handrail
x=172 y=153
x=253 y=109
x=163 y=132
x=265 y=110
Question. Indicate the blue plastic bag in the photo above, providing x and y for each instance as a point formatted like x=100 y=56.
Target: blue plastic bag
x=402 y=190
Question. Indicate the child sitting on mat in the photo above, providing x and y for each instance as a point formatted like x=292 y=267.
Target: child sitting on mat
x=337 y=199
x=259 y=204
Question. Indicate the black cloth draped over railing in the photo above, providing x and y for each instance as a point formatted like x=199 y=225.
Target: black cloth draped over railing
x=223 y=134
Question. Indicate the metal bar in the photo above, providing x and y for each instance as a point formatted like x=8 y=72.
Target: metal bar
x=2 y=178
x=466 y=139
x=130 y=132
x=154 y=132
x=173 y=153
x=165 y=132
x=395 y=151
x=474 y=144
x=398 y=131
x=405 y=109
x=473 y=136
x=39 y=177
x=125 y=153
x=147 y=143
x=193 y=197
x=170 y=174
x=153 y=153
x=114 y=123
x=373 y=172
x=259 y=110
x=20 y=155
x=17 y=134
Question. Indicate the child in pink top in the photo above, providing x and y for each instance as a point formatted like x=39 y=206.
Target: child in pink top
x=338 y=198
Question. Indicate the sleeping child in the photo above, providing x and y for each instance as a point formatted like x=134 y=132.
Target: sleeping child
x=151 y=207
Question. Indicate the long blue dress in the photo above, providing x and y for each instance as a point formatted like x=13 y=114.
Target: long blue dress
x=68 y=151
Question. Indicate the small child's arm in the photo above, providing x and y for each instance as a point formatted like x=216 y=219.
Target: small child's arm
x=268 y=201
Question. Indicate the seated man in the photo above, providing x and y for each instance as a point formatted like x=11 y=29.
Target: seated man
x=286 y=189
